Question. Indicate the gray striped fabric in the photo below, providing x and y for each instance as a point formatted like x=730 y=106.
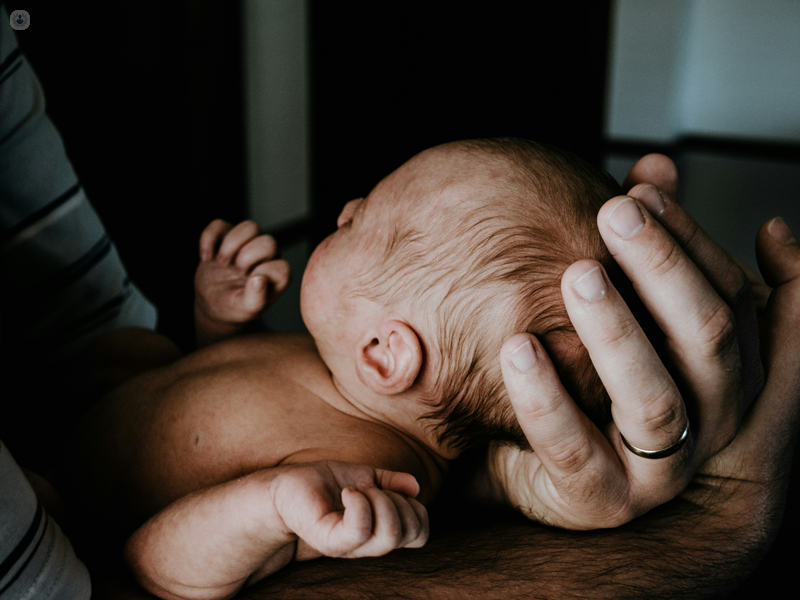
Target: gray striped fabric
x=61 y=279
x=61 y=285
x=36 y=559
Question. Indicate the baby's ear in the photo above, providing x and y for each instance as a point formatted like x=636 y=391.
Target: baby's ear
x=389 y=360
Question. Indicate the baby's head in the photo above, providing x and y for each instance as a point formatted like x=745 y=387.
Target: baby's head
x=461 y=247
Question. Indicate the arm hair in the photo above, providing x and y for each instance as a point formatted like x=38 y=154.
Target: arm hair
x=681 y=550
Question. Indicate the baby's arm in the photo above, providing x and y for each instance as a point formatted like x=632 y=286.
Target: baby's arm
x=211 y=543
x=237 y=279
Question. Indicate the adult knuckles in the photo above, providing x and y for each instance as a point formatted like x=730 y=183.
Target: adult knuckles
x=662 y=257
x=717 y=336
x=539 y=405
x=570 y=455
x=663 y=411
x=684 y=229
x=619 y=333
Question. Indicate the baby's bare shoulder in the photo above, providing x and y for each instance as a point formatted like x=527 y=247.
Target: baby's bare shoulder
x=373 y=444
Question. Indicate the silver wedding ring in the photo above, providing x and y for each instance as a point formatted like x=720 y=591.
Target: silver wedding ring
x=668 y=451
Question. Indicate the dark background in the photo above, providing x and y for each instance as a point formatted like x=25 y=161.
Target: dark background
x=150 y=107
x=150 y=110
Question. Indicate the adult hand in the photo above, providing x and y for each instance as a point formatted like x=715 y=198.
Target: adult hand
x=579 y=477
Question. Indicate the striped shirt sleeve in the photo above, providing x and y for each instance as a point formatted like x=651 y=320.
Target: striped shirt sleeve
x=61 y=280
x=37 y=561
x=61 y=285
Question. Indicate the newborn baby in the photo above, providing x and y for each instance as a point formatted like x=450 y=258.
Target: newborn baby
x=267 y=448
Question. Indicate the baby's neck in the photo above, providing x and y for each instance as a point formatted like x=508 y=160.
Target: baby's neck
x=402 y=413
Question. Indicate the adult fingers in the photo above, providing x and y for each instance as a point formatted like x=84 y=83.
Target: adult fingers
x=647 y=406
x=573 y=452
x=698 y=324
x=211 y=238
x=760 y=451
x=655 y=169
x=257 y=250
x=722 y=271
x=778 y=255
x=235 y=239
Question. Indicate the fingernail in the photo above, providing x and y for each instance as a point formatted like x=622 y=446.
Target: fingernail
x=653 y=201
x=780 y=231
x=626 y=219
x=523 y=358
x=591 y=285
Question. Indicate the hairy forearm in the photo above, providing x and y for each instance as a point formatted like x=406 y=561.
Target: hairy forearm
x=682 y=550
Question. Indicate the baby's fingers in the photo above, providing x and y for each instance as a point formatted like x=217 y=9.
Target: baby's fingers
x=211 y=238
x=254 y=298
x=387 y=526
x=235 y=240
x=255 y=251
x=278 y=273
x=413 y=519
x=376 y=522
x=357 y=520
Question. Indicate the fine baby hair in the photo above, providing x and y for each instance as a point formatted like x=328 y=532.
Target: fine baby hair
x=497 y=224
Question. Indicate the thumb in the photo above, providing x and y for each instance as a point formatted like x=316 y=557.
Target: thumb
x=777 y=252
x=776 y=413
x=255 y=293
x=402 y=483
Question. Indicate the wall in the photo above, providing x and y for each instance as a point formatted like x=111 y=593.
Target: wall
x=684 y=72
x=706 y=67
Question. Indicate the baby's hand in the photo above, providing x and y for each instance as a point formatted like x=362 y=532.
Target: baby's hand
x=236 y=279
x=349 y=511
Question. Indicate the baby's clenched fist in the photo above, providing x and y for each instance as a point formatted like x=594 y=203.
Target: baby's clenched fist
x=347 y=510
x=237 y=279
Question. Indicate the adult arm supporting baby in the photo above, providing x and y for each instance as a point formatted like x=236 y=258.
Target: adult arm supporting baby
x=211 y=543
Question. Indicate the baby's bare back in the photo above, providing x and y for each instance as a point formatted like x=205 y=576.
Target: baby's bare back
x=230 y=409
